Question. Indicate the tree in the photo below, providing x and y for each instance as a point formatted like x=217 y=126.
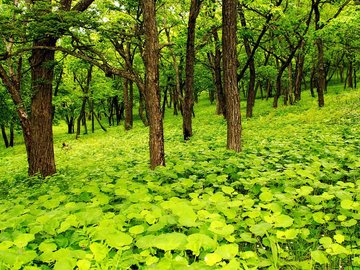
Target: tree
x=189 y=69
x=37 y=126
x=232 y=98
x=152 y=91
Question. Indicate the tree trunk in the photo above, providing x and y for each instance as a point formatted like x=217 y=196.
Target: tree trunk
x=189 y=70
x=221 y=106
x=300 y=60
x=128 y=103
x=232 y=98
x=41 y=156
x=152 y=91
x=142 y=110
x=251 y=90
x=12 y=135
x=321 y=77
x=5 y=138
x=350 y=75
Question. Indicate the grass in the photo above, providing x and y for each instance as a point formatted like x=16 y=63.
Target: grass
x=290 y=200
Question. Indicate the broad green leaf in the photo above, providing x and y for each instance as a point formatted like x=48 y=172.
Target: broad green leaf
x=221 y=228
x=283 y=221
x=227 y=252
x=118 y=239
x=47 y=246
x=339 y=238
x=83 y=264
x=319 y=257
x=266 y=196
x=23 y=239
x=212 y=259
x=138 y=229
x=99 y=250
x=197 y=241
x=260 y=229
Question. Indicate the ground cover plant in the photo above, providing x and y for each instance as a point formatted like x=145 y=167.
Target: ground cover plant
x=289 y=200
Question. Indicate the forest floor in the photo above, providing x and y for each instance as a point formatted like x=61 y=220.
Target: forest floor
x=289 y=200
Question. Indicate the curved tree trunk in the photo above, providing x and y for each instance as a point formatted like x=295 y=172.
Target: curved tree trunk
x=152 y=91
x=233 y=115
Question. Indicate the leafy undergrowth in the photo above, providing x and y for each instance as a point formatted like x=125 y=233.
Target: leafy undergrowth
x=290 y=200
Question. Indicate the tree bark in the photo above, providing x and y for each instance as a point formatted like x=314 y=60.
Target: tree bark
x=189 y=70
x=152 y=91
x=5 y=138
x=232 y=97
x=41 y=156
x=300 y=60
x=350 y=75
x=251 y=90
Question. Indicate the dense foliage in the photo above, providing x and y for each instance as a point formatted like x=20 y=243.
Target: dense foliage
x=290 y=200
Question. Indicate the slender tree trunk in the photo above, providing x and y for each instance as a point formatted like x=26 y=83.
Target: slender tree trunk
x=128 y=107
x=233 y=115
x=152 y=91
x=321 y=77
x=142 y=110
x=41 y=156
x=5 y=138
x=251 y=90
x=221 y=106
x=12 y=135
x=189 y=70
x=350 y=75
x=300 y=60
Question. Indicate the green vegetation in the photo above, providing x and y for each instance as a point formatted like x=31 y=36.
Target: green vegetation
x=290 y=200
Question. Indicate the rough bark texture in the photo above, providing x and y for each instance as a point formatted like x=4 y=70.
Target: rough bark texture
x=41 y=155
x=152 y=91
x=233 y=116
x=189 y=70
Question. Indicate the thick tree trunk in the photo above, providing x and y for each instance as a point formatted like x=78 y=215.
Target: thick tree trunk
x=152 y=91
x=189 y=70
x=41 y=156
x=233 y=115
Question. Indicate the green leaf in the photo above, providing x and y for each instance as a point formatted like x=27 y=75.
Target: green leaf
x=197 y=241
x=138 y=229
x=100 y=251
x=23 y=239
x=260 y=229
x=83 y=264
x=118 y=239
x=319 y=257
x=266 y=196
x=227 y=252
x=283 y=221
x=212 y=259
x=221 y=228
